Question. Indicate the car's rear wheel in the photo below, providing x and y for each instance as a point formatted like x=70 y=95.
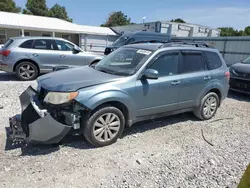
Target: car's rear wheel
x=26 y=71
x=104 y=126
x=208 y=107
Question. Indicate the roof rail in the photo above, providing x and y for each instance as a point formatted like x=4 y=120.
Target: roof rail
x=186 y=43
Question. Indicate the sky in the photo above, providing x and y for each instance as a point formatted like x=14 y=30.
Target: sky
x=213 y=13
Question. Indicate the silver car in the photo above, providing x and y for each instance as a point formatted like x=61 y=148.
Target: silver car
x=28 y=57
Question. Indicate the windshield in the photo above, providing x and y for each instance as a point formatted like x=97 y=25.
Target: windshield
x=123 y=62
x=120 y=41
x=247 y=60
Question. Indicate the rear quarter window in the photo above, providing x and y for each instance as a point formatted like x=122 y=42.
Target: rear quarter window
x=8 y=43
x=213 y=60
x=27 y=44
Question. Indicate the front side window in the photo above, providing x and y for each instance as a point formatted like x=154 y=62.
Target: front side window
x=64 y=46
x=44 y=44
x=192 y=61
x=124 y=61
x=166 y=64
x=27 y=44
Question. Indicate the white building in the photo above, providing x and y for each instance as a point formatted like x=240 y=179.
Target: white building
x=171 y=29
x=90 y=38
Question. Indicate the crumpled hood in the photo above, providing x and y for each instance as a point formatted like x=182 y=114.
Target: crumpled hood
x=74 y=79
x=241 y=67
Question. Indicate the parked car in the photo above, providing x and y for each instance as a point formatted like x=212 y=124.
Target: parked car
x=28 y=57
x=240 y=76
x=134 y=83
x=136 y=37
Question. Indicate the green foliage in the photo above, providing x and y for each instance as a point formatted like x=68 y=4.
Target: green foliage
x=229 y=32
x=58 y=11
x=179 y=20
x=117 y=19
x=9 y=6
x=247 y=30
x=36 y=7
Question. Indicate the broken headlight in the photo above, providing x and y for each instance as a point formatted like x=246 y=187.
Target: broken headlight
x=59 y=97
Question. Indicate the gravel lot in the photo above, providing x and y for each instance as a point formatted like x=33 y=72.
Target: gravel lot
x=166 y=153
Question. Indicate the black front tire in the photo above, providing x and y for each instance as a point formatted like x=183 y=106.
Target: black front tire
x=31 y=74
x=89 y=125
x=200 y=111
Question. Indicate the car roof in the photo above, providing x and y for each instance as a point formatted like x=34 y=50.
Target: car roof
x=37 y=37
x=160 y=46
x=128 y=34
x=145 y=46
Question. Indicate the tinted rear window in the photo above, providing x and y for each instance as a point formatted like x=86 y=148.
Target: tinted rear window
x=8 y=43
x=192 y=62
x=213 y=60
x=27 y=44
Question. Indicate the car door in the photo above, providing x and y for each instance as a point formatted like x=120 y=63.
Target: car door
x=162 y=94
x=67 y=56
x=45 y=54
x=195 y=77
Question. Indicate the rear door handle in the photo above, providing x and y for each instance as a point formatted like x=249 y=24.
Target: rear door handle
x=35 y=54
x=207 y=78
x=62 y=56
x=176 y=82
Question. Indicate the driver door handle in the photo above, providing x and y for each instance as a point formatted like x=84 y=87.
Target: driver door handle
x=207 y=77
x=35 y=54
x=176 y=82
x=62 y=56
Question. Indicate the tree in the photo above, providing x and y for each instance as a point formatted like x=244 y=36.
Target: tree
x=9 y=6
x=36 y=7
x=58 y=11
x=247 y=31
x=117 y=19
x=228 y=31
x=179 y=20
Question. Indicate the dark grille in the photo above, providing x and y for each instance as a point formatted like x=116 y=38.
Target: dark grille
x=242 y=75
x=238 y=84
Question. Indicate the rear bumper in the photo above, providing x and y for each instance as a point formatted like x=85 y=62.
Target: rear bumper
x=35 y=125
x=5 y=66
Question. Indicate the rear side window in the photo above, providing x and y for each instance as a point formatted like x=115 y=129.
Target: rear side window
x=192 y=62
x=44 y=44
x=213 y=60
x=8 y=43
x=27 y=44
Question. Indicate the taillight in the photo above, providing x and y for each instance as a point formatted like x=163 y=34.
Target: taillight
x=227 y=74
x=5 y=53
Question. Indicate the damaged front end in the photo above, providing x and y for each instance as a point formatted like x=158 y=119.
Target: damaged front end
x=42 y=123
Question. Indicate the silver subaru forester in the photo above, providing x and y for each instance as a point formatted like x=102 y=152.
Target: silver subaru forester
x=28 y=57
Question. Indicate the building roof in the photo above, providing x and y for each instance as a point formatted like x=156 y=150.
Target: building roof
x=30 y=22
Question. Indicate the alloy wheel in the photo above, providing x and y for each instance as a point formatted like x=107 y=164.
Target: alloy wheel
x=106 y=127
x=210 y=107
x=27 y=71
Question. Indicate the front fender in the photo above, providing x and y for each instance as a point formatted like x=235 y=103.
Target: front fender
x=110 y=96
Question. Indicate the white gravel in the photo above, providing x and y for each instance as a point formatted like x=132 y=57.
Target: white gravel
x=165 y=153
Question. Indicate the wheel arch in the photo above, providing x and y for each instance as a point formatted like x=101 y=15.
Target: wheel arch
x=28 y=60
x=212 y=87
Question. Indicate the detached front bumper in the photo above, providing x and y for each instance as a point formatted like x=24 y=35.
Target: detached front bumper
x=35 y=125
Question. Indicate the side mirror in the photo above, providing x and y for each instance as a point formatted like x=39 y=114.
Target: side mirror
x=75 y=50
x=151 y=74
